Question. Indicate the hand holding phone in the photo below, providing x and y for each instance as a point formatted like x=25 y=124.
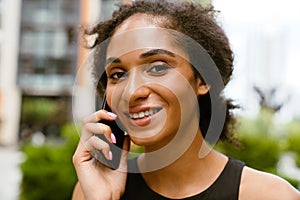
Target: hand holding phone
x=116 y=148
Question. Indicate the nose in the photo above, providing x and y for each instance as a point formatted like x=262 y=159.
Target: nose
x=136 y=88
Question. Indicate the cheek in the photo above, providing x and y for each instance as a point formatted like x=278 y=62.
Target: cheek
x=182 y=97
x=114 y=98
x=110 y=95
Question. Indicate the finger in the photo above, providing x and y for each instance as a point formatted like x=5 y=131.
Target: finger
x=97 y=116
x=94 y=143
x=90 y=129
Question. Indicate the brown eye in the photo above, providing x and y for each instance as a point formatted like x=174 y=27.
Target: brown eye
x=118 y=75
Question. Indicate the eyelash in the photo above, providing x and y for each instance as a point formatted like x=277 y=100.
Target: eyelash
x=118 y=74
x=162 y=68
x=154 y=70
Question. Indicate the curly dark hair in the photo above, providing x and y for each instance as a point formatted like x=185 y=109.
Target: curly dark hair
x=191 y=19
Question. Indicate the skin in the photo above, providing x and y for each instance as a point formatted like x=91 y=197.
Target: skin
x=191 y=174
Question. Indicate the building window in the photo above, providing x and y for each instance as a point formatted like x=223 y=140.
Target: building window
x=48 y=45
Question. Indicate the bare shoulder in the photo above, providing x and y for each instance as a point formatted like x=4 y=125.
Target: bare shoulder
x=261 y=185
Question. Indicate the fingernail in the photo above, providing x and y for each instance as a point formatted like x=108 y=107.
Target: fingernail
x=113 y=115
x=110 y=155
x=113 y=138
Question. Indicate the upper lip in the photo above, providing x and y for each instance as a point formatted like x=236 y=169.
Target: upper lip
x=139 y=109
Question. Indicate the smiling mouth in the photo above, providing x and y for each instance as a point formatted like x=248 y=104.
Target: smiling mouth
x=144 y=114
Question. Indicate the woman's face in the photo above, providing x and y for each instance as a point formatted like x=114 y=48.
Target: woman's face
x=151 y=87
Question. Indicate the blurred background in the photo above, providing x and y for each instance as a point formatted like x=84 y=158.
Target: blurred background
x=40 y=53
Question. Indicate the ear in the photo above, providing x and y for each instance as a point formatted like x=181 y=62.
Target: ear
x=202 y=88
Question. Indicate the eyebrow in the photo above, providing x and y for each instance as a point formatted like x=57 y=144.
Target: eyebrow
x=147 y=54
x=154 y=52
x=112 y=60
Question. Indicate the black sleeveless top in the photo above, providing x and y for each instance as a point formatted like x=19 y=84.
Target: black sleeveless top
x=226 y=187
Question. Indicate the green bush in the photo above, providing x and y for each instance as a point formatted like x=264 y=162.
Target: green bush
x=262 y=144
x=48 y=172
x=259 y=153
x=43 y=111
x=293 y=141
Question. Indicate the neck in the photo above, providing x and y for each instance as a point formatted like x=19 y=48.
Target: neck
x=188 y=169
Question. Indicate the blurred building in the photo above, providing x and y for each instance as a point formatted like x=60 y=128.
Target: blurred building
x=39 y=57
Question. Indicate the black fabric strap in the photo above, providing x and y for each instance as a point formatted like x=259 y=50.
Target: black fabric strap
x=226 y=187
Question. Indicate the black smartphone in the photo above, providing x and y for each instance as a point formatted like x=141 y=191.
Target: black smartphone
x=116 y=148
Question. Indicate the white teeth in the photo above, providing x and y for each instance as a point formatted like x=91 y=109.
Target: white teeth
x=135 y=115
x=143 y=114
x=147 y=113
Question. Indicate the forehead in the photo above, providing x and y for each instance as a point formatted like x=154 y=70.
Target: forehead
x=138 y=32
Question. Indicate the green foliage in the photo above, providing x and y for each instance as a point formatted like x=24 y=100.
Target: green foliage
x=262 y=144
x=259 y=147
x=293 y=141
x=256 y=152
x=38 y=109
x=42 y=111
x=48 y=172
x=135 y=150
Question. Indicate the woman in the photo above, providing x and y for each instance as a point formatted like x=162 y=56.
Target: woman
x=160 y=83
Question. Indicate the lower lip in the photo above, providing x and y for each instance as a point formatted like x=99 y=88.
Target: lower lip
x=141 y=122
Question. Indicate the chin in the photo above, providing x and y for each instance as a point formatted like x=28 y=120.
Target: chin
x=153 y=142
x=143 y=141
